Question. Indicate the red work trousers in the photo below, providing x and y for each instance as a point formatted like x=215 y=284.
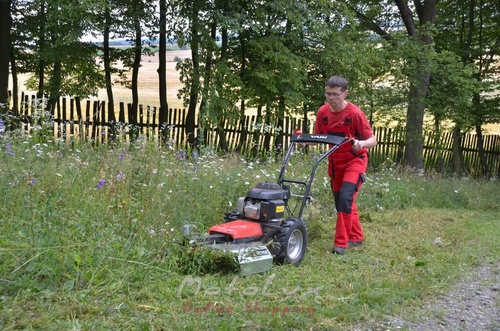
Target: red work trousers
x=347 y=177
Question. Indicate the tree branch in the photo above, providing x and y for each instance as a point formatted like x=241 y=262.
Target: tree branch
x=372 y=25
x=407 y=16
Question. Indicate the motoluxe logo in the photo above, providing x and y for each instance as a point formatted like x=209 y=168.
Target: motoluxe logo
x=193 y=305
x=318 y=136
x=196 y=284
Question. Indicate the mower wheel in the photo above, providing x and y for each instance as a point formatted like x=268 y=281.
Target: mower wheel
x=291 y=242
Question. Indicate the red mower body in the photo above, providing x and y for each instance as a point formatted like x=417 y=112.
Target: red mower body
x=238 y=229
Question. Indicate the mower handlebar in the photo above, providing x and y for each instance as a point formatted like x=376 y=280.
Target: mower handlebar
x=319 y=139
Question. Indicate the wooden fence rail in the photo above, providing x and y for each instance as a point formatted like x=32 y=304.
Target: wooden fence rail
x=248 y=135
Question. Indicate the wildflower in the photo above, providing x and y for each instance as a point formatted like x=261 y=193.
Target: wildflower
x=33 y=181
x=2 y=126
x=181 y=155
x=8 y=147
x=119 y=176
x=101 y=184
x=120 y=157
x=195 y=156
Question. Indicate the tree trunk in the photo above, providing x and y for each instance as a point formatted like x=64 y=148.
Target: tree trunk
x=485 y=169
x=195 y=84
x=206 y=112
x=5 y=48
x=162 y=69
x=456 y=158
x=219 y=83
x=256 y=133
x=135 y=68
x=15 y=82
x=278 y=136
x=419 y=84
x=267 y=134
x=55 y=87
x=415 y=122
x=107 y=67
x=243 y=128
x=222 y=135
x=305 y=121
x=41 y=46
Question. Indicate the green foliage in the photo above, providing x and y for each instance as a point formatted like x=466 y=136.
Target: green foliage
x=452 y=85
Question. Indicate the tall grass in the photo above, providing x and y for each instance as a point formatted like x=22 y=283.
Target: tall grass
x=89 y=241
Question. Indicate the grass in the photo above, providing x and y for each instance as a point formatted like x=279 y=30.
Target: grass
x=88 y=242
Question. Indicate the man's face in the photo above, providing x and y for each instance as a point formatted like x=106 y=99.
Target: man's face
x=335 y=96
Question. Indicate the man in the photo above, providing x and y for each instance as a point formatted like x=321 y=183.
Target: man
x=347 y=165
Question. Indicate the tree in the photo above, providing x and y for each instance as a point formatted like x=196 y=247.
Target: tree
x=5 y=50
x=189 y=30
x=449 y=95
x=52 y=50
x=418 y=21
x=471 y=29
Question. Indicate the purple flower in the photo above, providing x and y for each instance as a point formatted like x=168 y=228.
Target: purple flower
x=101 y=184
x=119 y=176
x=195 y=156
x=2 y=126
x=181 y=155
x=9 y=149
x=120 y=157
x=33 y=181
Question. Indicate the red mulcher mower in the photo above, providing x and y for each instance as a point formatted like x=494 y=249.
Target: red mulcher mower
x=264 y=228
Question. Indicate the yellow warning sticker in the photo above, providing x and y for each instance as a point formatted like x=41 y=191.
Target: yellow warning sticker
x=280 y=209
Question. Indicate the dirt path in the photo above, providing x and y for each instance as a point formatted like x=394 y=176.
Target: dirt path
x=472 y=304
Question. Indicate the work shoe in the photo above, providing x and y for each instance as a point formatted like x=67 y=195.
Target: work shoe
x=339 y=250
x=355 y=243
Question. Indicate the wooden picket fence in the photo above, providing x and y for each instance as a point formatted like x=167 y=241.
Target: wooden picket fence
x=249 y=135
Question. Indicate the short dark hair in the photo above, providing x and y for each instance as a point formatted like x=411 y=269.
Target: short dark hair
x=337 y=81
